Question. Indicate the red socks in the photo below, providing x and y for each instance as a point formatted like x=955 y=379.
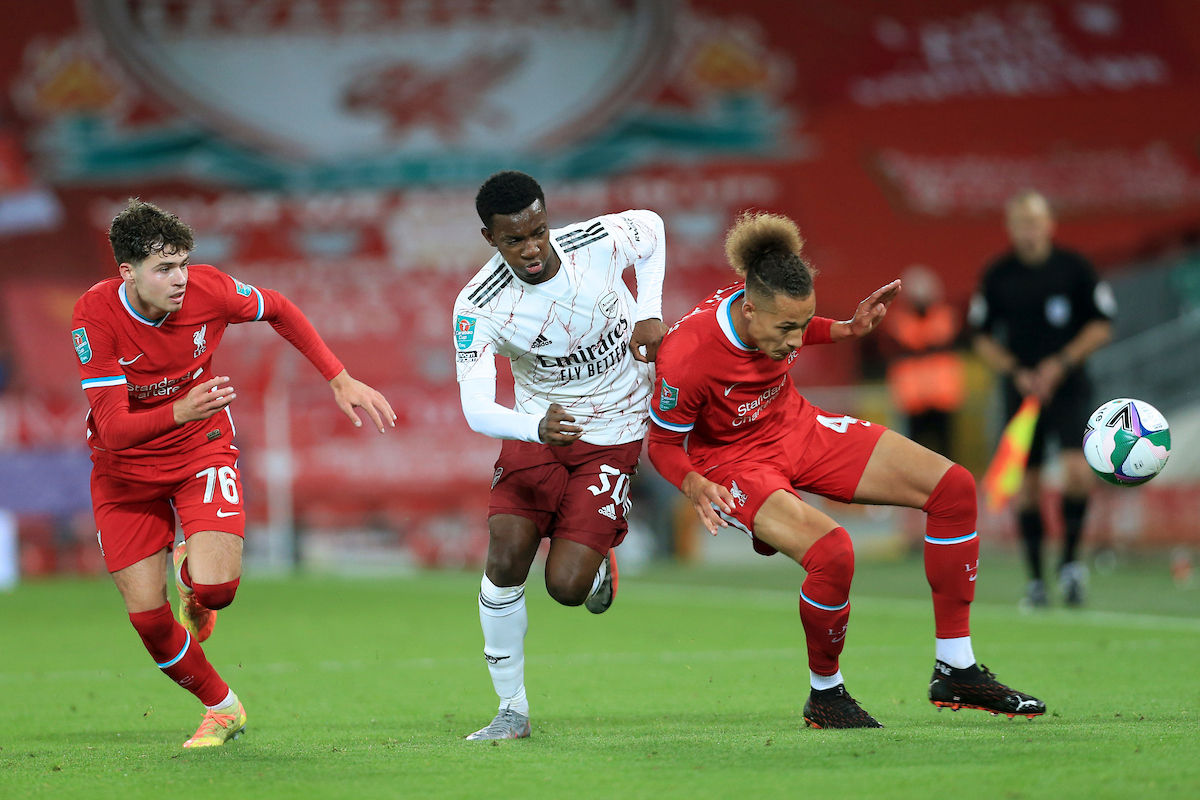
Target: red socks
x=177 y=655
x=951 y=559
x=952 y=551
x=825 y=599
x=213 y=596
x=216 y=596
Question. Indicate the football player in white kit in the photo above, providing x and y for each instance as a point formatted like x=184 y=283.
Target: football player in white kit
x=555 y=303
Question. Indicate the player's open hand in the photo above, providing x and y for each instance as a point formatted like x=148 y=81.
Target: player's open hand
x=555 y=428
x=204 y=400
x=349 y=393
x=705 y=494
x=870 y=312
x=649 y=334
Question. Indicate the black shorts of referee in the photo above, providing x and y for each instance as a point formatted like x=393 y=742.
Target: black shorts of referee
x=1064 y=418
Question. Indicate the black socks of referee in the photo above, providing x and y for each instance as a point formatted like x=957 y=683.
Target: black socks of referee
x=1073 y=511
x=1033 y=532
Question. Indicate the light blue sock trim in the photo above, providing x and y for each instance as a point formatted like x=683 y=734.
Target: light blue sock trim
x=812 y=602
x=187 y=643
x=958 y=540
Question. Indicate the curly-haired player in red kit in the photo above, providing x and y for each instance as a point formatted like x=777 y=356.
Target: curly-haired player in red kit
x=161 y=436
x=722 y=383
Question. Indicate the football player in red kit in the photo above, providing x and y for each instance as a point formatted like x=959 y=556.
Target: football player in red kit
x=161 y=436
x=753 y=442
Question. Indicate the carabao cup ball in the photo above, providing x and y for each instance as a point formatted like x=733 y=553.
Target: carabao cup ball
x=1127 y=442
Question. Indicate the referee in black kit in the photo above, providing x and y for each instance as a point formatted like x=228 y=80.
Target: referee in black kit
x=1039 y=312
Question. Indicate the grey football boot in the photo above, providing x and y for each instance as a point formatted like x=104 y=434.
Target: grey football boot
x=508 y=724
x=599 y=602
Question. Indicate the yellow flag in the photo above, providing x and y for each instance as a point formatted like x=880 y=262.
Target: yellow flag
x=1003 y=477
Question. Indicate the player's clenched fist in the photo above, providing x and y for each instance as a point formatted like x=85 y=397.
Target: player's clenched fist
x=555 y=427
x=647 y=335
x=705 y=494
x=203 y=400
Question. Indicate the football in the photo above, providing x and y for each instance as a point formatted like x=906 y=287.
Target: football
x=1127 y=442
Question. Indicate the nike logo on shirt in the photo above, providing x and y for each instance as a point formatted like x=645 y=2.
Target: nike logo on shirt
x=729 y=388
x=125 y=363
x=222 y=513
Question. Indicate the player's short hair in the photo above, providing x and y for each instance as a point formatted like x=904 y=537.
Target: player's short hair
x=765 y=250
x=143 y=228
x=506 y=193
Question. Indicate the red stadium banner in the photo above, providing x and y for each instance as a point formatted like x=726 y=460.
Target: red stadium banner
x=332 y=149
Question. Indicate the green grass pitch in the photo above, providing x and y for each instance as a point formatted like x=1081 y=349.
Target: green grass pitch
x=691 y=686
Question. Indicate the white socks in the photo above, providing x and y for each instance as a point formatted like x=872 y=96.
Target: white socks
x=230 y=700
x=822 y=682
x=518 y=702
x=955 y=652
x=504 y=620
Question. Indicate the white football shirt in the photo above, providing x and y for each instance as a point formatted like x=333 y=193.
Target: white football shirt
x=568 y=337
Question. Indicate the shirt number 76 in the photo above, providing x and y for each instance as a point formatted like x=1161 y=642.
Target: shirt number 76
x=226 y=477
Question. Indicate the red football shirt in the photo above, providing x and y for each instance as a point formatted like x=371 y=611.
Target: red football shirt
x=133 y=369
x=719 y=392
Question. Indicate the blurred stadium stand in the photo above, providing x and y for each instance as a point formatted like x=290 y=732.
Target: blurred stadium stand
x=1157 y=337
x=336 y=161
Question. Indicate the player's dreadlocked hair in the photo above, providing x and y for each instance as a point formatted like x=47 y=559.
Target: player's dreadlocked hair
x=765 y=250
x=506 y=193
x=142 y=229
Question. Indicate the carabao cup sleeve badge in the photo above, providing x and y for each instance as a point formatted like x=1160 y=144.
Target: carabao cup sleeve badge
x=83 y=348
x=669 y=397
x=464 y=331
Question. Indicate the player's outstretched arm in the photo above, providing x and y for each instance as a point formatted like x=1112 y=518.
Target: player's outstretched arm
x=349 y=394
x=290 y=323
x=870 y=312
x=649 y=334
x=204 y=400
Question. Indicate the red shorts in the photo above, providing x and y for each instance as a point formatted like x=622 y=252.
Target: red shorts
x=135 y=506
x=825 y=457
x=578 y=492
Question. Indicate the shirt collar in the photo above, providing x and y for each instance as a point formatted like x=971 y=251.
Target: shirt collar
x=153 y=323
x=725 y=320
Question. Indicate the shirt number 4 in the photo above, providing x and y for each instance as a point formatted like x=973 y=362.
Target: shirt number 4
x=840 y=424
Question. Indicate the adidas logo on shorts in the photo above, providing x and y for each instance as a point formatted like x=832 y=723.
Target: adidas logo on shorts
x=610 y=511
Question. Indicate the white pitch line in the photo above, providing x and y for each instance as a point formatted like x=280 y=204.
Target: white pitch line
x=795 y=655
x=541 y=660
x=679 y=595
x=783 y=599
